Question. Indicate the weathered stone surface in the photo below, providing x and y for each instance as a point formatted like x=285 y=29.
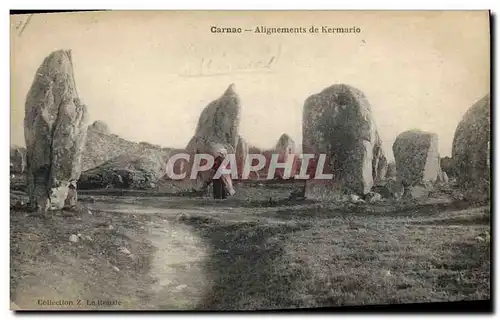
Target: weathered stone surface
x=127 y=171
x=417 y=157
x=241 y=154
x=219 y=122
x=445 y=178
x=470 y=151
x=447 y=166
x=67 y=145
x=55 y=131
x=379 y=161
x=101 y=146
x=338 y=122
x=17 y=159
x=217 y=128
x=284 y=149
x=255 y=150
x=285 y=145
x=113 y=162
x=442 y=178
x=391 y=170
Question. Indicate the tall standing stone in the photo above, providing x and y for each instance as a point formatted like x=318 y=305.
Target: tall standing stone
x=255 y=175
x=379 y=161
x=217 y=127
x=417 y=159
x=470 y=151
x=447 y=166
x=241 y=154
x=55 y=131
x=338 y=122
x=285 y=148
x=285 y=145
x=219 y=122
x=391 y=170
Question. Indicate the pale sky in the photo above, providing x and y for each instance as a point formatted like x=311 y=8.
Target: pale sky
x=139 y=71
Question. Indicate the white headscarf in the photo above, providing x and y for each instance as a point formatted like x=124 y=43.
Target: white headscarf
x=219 y=150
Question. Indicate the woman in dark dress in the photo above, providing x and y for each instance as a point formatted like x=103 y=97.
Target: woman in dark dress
x=219 y=187
x=222 y=186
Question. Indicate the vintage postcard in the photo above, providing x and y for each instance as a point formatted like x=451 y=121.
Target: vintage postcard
x=249 y=160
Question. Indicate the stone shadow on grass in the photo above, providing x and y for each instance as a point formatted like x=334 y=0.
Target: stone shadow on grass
x=327 y=210
x=242 y=265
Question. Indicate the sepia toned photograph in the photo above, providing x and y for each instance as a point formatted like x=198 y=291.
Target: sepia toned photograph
x=249 y=160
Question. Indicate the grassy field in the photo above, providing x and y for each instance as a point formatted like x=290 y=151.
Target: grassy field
x=255 y=251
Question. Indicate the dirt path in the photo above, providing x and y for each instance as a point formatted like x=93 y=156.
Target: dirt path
x=181 y=255
x=177 y=267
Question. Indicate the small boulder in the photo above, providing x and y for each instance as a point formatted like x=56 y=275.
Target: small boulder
x=182 y=217
x=181 y=287
x=387 y=190
x=373 y=197
x=124 y=250
x=99 y=127
x=354 y=198
x=385 y=273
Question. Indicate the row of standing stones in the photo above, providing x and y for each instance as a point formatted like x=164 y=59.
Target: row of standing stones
x=337 y=121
